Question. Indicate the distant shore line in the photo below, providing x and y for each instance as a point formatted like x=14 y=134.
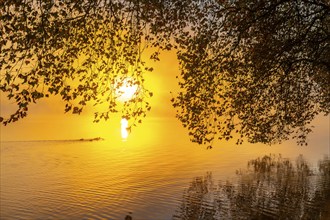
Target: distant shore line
x=60 y=140
x=91 y=139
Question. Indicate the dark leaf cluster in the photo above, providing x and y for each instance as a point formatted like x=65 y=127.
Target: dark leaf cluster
x=256 y=70
x=81 y=51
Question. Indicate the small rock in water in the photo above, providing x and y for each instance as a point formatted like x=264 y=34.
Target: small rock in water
x=128 y=217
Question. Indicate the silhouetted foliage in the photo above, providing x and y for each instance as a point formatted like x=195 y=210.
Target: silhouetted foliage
x=80 y=50
x=271 y=188
x=256 y=68
x=260 y=69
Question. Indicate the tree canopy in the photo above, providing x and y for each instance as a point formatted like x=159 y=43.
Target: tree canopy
x=80 y=50
x=258 y=68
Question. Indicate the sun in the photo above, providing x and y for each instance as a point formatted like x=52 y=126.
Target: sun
x=126 y=90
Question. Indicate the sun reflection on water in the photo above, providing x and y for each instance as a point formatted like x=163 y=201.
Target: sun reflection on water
x=124 y=126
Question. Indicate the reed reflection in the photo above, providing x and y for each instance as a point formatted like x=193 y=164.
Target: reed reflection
x=270 y=188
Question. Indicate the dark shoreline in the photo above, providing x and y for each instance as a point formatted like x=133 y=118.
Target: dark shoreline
x=60 y=140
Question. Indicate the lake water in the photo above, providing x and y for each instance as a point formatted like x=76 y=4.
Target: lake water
x=159 y=176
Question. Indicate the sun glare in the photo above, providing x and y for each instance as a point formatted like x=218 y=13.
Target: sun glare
x=126 y=91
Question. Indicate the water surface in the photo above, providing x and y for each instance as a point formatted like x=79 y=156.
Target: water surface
x=145 y=178
x=271 y=187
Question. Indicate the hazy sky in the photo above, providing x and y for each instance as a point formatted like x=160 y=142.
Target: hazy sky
x=46 y=119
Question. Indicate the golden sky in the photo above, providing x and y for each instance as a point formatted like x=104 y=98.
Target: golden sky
x=46 y=119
